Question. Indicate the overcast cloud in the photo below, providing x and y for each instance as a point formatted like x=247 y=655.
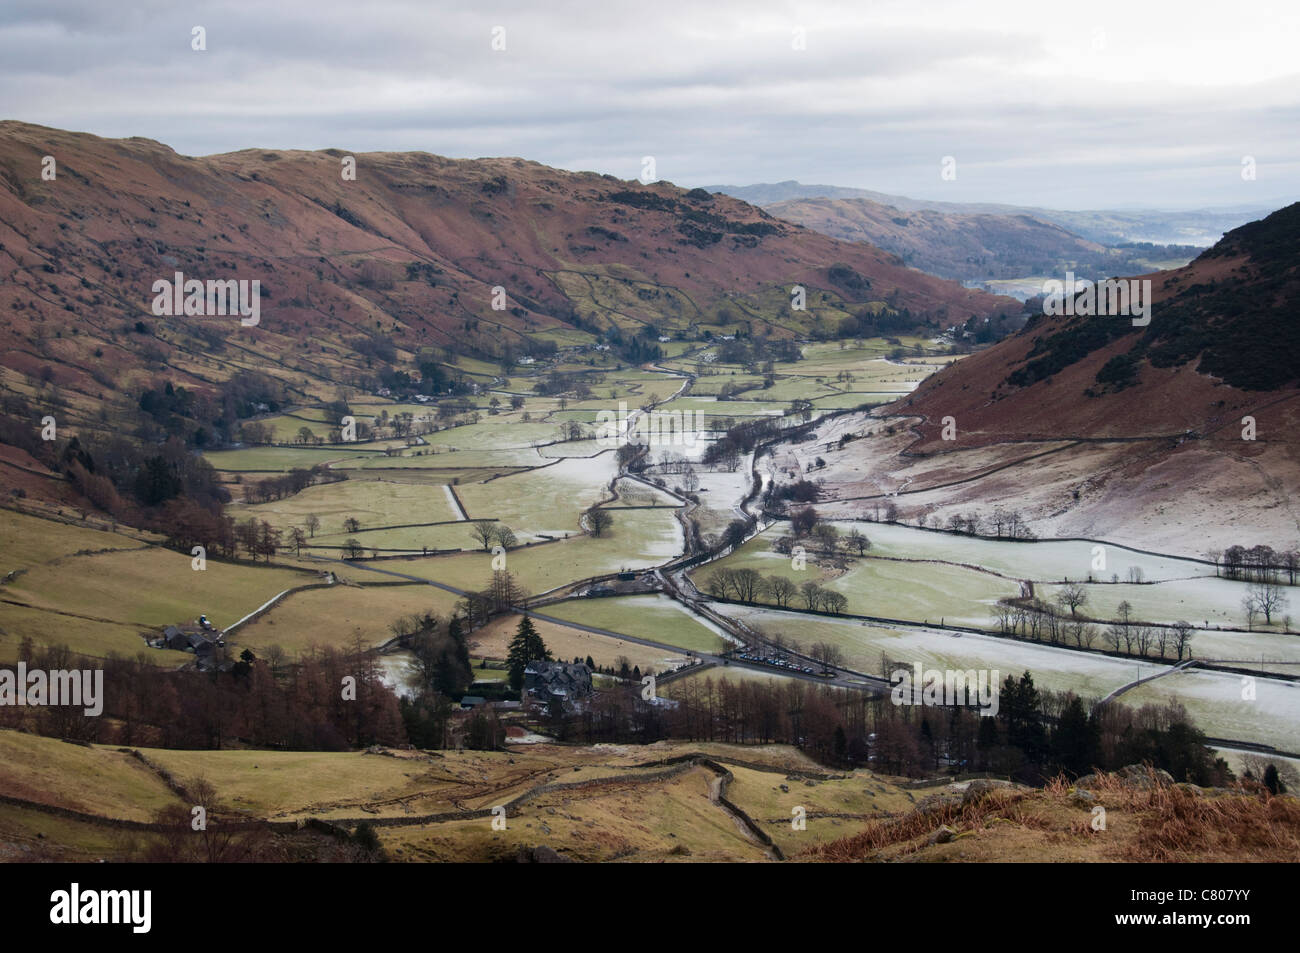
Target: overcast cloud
x=1093 y=105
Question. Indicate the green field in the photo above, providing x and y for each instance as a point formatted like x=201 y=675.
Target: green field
x=97 y=638
x=654 y=617
x=915 y=591
x=30 y=540
x=280 y=459
x=72 y=589
x=372 y=502
x=547 y=500
x=337 y=616
x=152 y=588
x=410 y=539
x=638 y=539
x=108 y=782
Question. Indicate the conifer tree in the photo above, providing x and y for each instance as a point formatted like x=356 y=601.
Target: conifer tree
x=527 y=646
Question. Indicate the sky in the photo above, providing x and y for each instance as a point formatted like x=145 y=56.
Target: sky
x=1073 y=106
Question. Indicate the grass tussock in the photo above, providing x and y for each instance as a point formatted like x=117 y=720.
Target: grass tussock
x=1182 y=823
x=1147 y=822
x=888 y=832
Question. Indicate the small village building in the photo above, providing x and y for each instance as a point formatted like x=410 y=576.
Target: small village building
x=567 y=682
x=174 y=638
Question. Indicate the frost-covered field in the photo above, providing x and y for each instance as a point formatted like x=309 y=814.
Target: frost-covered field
x=544 y=501
x=1256 y=648
x=1213 y=699
x=922 y=591
x=863 y=644
x=1041 y=561
x=1239 y=760
x=1200 y=601
x=1174 y=588
x=1215 y=702
x=720 y=493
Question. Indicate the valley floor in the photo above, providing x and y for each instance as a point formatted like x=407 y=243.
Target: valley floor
x=408 y=510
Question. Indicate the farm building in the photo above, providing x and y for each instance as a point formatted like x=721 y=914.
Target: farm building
x=567 y=681
x=203 y=641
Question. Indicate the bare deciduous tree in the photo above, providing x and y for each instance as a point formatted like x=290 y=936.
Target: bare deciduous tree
x=1071 y=596
x=485 y=532
x=1268 y=598
x=781 y=589
x=599 y=521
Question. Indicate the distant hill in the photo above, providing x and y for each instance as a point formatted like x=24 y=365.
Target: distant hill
x=1093 y=427
x=1229 y=315
x=1201 y=227
x=973 y=247
x=357 y=276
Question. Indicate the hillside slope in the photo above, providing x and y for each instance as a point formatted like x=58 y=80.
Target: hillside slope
x=1142 y=427
x=361 y=273
x=1108 y=226
x=954 y=245
x=667 y=802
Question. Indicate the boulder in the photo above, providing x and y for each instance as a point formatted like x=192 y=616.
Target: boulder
x=1144 y=776
x=937 y=802
x=542 y=855
x=1083 y=798
x=942 y=836
x=982 y=786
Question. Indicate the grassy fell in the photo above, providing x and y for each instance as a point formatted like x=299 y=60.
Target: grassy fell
x=1155 y=822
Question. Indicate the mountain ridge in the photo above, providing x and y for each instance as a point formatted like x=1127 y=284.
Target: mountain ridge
x=408 y=255
x=1099 y=225
x=1141 y=436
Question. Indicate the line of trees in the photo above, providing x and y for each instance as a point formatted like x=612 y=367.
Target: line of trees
x=295 y=481
x=749 y=585
x=737 y=440
x=185 y=525
x=272 y=703
x=256 y=702
x=1035 y=734
x=1256 y=563
x=443 y=674
x=1040 y=621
